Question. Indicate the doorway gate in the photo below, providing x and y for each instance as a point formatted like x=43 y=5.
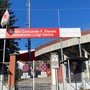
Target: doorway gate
x=33 y=75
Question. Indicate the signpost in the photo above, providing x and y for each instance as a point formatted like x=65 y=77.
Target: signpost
x=43 y=67
x=25 y=68
x=43 y=33
x=30 y=33
x=54 y=66
x=54 y=61
x=70 y=32
x=25 y=76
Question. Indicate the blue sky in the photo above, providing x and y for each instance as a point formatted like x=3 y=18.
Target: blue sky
x=44 y=13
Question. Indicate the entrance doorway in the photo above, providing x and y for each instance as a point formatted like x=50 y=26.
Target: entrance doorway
x=33 y=75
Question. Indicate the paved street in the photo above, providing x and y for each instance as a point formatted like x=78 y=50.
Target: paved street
x=40 y=84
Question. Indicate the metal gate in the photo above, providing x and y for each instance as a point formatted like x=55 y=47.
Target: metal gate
x=33 y=75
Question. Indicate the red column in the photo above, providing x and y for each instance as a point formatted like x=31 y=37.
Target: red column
x=11 y=77
x=60 y=74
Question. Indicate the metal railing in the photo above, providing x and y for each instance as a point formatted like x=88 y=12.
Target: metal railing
x=86 y=81
x=85 y=86
x=4 y=84
x=71 y=84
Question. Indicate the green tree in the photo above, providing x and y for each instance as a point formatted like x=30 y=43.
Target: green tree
x=11 y=44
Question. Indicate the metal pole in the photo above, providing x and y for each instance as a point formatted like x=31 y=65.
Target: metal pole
x=63 y=67
x=82 y=73
x=29 y=13
x=2 y=75
x=69 y=72
x=80 y=52
x=58 y=19
x=33 y=76
x=4 y=50
x=57 y=83
x=59 y=27
x=4 y=47
x=29 y=40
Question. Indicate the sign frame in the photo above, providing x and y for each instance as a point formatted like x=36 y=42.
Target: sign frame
x=54 y=61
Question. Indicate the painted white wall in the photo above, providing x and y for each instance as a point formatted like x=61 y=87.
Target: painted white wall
x=65 y=44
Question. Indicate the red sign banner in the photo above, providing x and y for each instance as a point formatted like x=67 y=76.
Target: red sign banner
x=39 y=32
x=32 y=33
